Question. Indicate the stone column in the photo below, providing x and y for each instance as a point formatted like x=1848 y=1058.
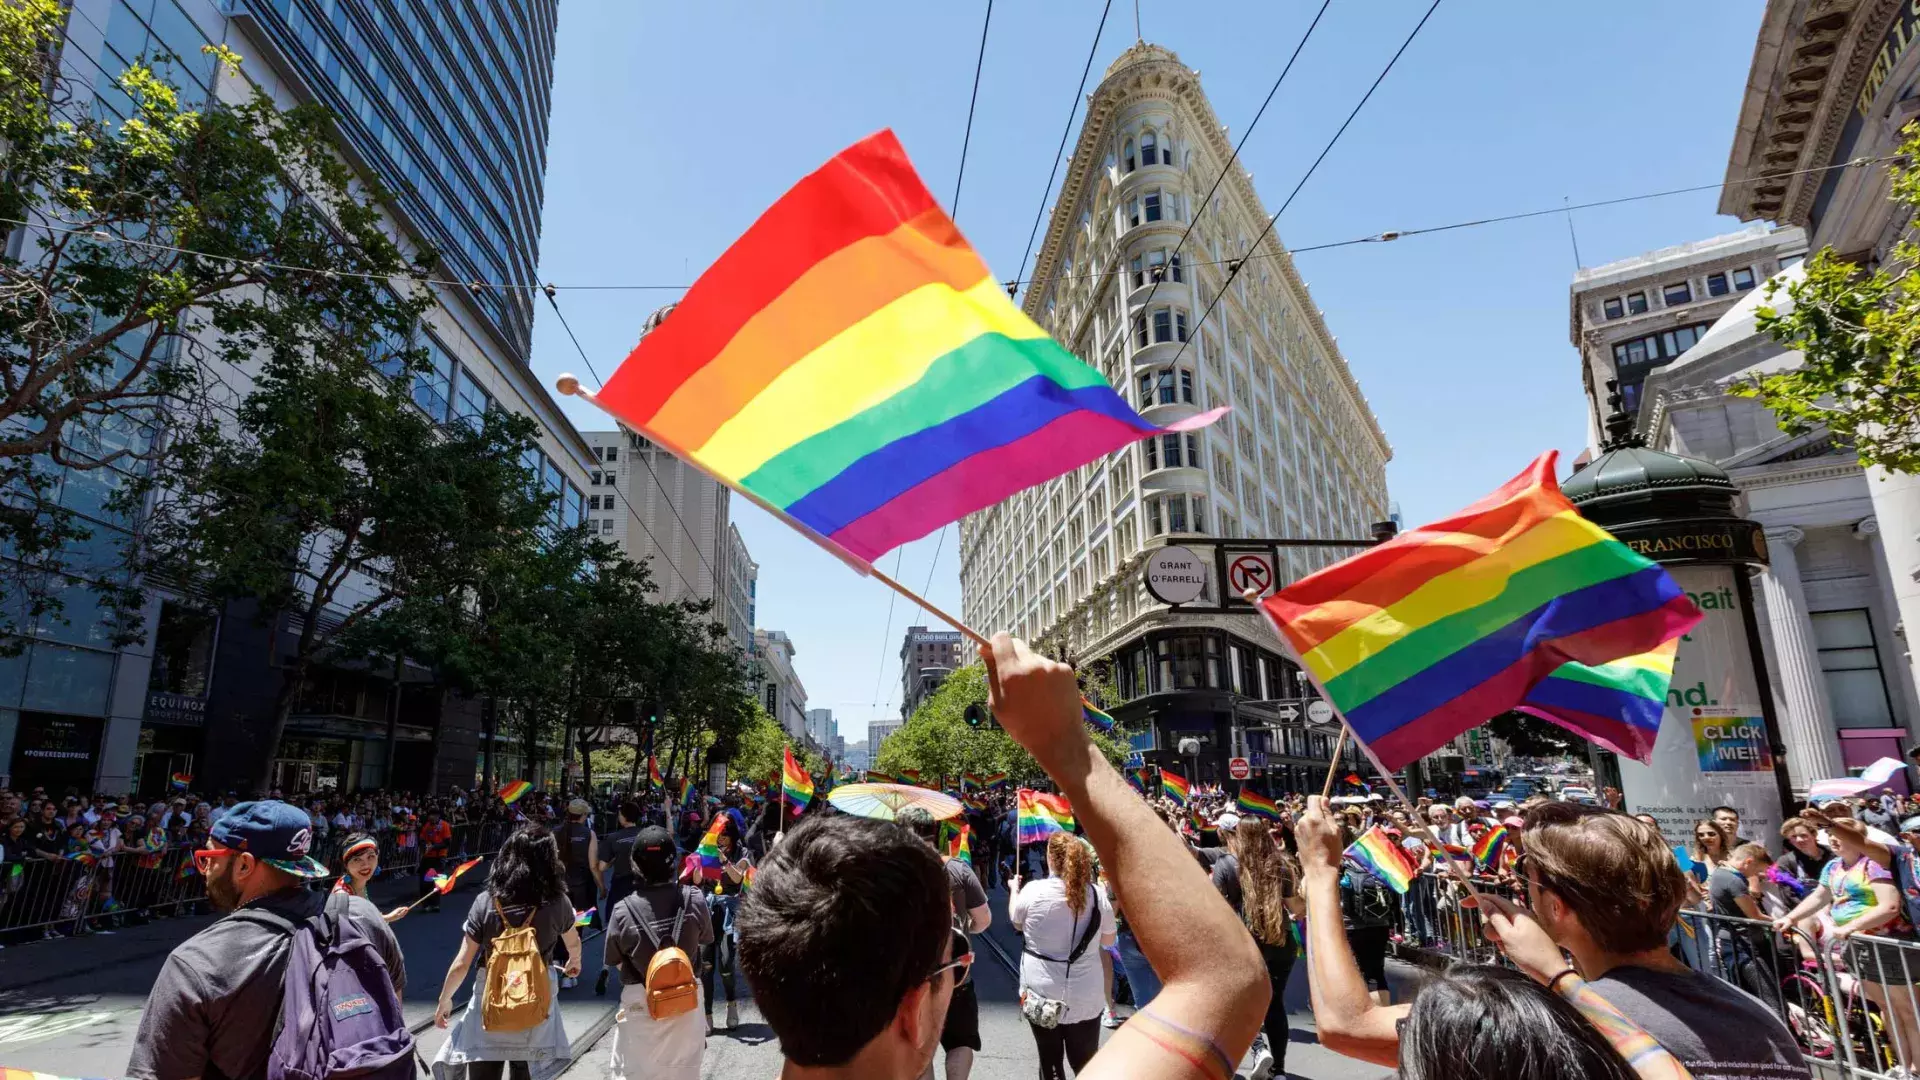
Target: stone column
x=1896 y=512
x=1813 y=746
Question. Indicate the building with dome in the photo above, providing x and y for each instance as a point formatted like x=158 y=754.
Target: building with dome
x=1300 y=455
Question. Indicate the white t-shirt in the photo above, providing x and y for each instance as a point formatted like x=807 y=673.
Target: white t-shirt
x=1040 y=911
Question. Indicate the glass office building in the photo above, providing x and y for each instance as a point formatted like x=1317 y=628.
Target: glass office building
x=447 y=103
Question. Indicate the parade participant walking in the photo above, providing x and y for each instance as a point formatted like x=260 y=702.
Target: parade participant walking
x=580 y=854
x=525 y=888
x=960 y=1033
x=1259 y=881
x=722 y=955
x=617 y=864
x=1061 y=991
x=359 y=861
x=864 y=996
x=436 y=844
x=655 y=914
x=215 y=1006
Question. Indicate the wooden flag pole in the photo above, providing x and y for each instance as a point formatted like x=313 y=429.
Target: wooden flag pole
x=1326 y=789
x=1252 y=596
x=570 y=384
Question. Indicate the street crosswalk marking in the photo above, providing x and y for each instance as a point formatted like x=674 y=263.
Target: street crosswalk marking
x=32 y=1026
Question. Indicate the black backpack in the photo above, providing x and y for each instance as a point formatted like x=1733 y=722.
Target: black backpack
x=1365 y=902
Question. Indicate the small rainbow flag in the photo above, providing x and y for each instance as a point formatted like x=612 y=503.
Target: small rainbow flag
x=186 y=870
x=512 y=791
x=1039 y=815
x=974 y=779
x=653 y=774
x=1354 y=779
x=1095 y=718
x=996 y=780
x=443 y=883
x=1618 y=704
x=180 y=780
x=1379 y=855
x=1174 y=786
x=1200 y=824
x=795 y=784
x=1420 y=638
x=584 y=918
x=709 y=849
x=746 y=879
x=1487 y=849
x=877 y=776
x=1138 y=778
x=909 y=776
x=852 y=362
x=1255 y=803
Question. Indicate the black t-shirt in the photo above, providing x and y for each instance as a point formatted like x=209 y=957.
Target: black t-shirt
x=1226 y=878
x=1802 y=866
x=630 y=948
x=1717 y=1030
x=616 y=850
x=47 y=839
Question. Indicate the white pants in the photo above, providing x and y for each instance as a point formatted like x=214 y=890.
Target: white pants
x=669 y=1049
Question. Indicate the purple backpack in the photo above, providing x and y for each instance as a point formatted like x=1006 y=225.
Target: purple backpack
x=339 y=1015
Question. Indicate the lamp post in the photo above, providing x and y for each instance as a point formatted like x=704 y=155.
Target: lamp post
x=1719 y=740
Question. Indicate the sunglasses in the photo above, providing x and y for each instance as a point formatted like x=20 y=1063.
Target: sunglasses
x=962 y=962
x=204 y=857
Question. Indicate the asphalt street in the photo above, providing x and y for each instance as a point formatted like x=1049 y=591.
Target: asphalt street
x=72 y=1008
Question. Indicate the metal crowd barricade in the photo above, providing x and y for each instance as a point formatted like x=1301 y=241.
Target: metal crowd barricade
x=1435 y=918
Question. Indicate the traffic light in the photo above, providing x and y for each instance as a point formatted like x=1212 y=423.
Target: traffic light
x=979 y=717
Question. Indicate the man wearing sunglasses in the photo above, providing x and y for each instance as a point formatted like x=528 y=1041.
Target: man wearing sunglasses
x=848 y=940
x=214 y=1007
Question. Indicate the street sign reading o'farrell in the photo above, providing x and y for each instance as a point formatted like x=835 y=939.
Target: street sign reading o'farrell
x=1175 y=575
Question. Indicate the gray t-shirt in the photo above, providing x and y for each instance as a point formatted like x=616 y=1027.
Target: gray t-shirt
x=551 y=921
x=963 y=888
x=1718 y=1031
x=630 y=947
x=214 y=1006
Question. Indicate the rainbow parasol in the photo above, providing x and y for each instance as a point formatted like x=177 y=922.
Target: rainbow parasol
x=884 y=801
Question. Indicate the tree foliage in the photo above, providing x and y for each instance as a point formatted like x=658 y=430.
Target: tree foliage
x=938 y=742
x=1859 y=334
x=146 y=255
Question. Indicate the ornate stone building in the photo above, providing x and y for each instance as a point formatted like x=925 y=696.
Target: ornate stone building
x=1300 y=454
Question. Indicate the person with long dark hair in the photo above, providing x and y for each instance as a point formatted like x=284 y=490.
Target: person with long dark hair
x=1488 y=1023
x=527 y=884
x=1262 y=885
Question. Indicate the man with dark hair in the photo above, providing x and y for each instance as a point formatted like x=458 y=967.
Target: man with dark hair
x=1728 y=818
x=848 y=940
x=960 y=1034
x=215 y=1006
x=1606 y=889
x=615 y=855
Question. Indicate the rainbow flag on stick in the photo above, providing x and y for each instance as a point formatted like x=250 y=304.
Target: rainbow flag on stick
x=583 y=918
x=443 y=883
x=1097 y=720
x=179 y=781
x=1378 y=854
x=1420 y=638
x=795 y=784
x=1255 y=803
x=1174 y=786
x=996 y=780
x=909 y=776
x=851 y=364
x=1040 y=815
x=653 y=774
x=1617 y=704
x=1138 y=778
x=511 y=793
x=709 y=850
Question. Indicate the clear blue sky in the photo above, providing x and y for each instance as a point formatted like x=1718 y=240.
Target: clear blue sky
x=675 y=125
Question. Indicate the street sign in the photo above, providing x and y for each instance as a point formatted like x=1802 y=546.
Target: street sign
x=1319 y=712
x=1289 y=712
x=1251 y=570
x=1239 y=768
x=1175 y=575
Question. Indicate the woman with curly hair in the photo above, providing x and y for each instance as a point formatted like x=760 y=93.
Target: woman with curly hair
x=1062 y=992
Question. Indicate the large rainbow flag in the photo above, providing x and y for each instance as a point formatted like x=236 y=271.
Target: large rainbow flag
x=1618 y=705
x=795 y=783
x=1429 y=634
x=1381 y=856
x=1039 y=815
x=851 y=361
x=1255 y=803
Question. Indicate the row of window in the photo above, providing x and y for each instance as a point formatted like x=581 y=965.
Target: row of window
x=1679 y=292
x=1168 y=324
x=1154 y=204
x=1654 y=349
x=1154 y=266
x=1152 y=152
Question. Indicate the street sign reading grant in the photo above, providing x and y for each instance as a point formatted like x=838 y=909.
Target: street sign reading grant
x=1175 y=575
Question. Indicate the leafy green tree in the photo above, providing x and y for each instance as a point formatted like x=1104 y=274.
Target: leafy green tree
x=757 y=751
x=937 y=740
x=1859 y=333
x=143 y=263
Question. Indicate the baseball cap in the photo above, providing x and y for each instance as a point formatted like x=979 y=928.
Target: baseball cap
x=1227 y=821
x=653 y=854
x=579 y=806
x=276 y=833
x=1911 y=825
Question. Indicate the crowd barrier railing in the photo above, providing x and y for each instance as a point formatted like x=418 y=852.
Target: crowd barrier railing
x=57 y=898
x=1852 y=1004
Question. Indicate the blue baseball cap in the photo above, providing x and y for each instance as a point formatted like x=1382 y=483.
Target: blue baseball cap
x=278 y=834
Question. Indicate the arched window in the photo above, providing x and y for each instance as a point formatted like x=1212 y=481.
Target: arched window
x=1126 y=156
x=1149 y=149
